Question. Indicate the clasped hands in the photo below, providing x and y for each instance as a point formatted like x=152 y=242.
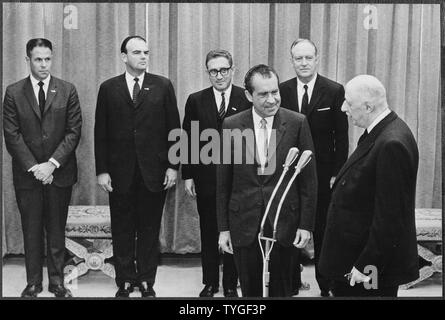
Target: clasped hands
x=43 y=172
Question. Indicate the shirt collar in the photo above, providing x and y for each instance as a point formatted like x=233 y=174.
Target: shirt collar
x=226 y=92
x=379 y=118
x=257 y=119
x=35 y=81
x=310 y=84
x=130 y=78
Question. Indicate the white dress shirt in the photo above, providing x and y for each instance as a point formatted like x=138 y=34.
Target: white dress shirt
x=300 y=90
x=218 y=98
x=130 y=81
x=36 y=87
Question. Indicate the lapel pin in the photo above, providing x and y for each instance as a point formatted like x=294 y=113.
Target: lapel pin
x=146 y=89
x=233 y=108
x=53 y=91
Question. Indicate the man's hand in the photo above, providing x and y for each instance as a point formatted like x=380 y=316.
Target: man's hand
x=170 y=178
x=43 y=170
x=49 y=180
x=356 y=277
x=302 y=238
x=224 y=242
x=331 y=182
x=104 y=181
x=190 y=188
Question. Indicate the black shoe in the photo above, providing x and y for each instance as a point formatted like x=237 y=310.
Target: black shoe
x=230 y=293
x=31 y=290
x=147 y=290
x=124 y=290
x=208 y=291
x=60 y=291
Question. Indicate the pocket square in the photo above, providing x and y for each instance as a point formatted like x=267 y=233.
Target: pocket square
x=324 y=109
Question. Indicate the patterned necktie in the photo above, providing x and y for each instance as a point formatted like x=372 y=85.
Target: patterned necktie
x=41 y=97
x=362 y=137
x=222 y=107
x=305 y=101
x=136 y=90
x=263 y=127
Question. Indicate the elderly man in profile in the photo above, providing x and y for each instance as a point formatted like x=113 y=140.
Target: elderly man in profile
x=371 y=220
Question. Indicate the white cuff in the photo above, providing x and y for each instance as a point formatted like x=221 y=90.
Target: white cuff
x=54 y=162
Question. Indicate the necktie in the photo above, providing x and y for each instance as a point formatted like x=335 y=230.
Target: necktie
x=222 y=107
x=136 y=90
x=263 y=127
x=362 y=137
x=41 y=97
x=305 y=102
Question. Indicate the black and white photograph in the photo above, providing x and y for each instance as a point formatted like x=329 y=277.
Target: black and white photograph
x=221 y=150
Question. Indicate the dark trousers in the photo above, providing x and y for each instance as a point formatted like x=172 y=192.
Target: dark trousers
x=210 y=255
x=249 y=263
x=323 y=199
x=44 y=208
x=343 y=289
x=135 y=224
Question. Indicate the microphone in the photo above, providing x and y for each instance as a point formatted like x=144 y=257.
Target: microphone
x=291 y=156
x=306 y=156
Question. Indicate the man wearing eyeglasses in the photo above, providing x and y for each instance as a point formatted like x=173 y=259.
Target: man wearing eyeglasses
x=208 y=108
x=320 y=100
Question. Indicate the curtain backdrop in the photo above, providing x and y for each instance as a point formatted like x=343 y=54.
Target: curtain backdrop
x=402 y=49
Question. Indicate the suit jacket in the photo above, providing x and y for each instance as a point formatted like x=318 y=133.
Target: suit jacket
x=126 y=134
x=201 y=106
x=33 y=138
x=329 y=125
x=371 y=218
x=242 y=194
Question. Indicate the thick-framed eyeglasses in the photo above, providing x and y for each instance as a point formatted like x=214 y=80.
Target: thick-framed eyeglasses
x=223 y=71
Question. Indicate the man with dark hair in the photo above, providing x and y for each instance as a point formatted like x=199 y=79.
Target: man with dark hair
x=42 y=123
x=320 y=100
x=244 y=189
x=371 y=219
x=135 y=113
x=208 y=108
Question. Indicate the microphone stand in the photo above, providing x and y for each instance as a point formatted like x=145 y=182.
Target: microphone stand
x=292 y=155
x=302 y=162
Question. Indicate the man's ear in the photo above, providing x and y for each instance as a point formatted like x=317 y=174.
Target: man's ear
x=124 y=57
x=369 y=107
x=248 y=95
x=27 y=59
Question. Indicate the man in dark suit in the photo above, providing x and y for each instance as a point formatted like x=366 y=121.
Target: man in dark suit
x=134 y=115
x=244 y=188
x=208 y=108
x=42 y=123
x=320 y=100
x=371 y=220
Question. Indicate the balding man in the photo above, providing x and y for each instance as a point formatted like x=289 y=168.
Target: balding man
x=371 y=220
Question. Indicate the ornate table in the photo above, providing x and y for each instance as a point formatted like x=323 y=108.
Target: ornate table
x=88 y=238
x=429 y=233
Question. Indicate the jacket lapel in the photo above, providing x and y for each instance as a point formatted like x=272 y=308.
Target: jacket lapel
x=52 y=91
x=209 y=105
x=30 y=96
x=122 y=88
x=233 y=106
x=365 y=146
x=247 y=123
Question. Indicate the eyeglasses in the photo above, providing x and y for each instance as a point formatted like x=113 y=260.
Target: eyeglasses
x=224 y=72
